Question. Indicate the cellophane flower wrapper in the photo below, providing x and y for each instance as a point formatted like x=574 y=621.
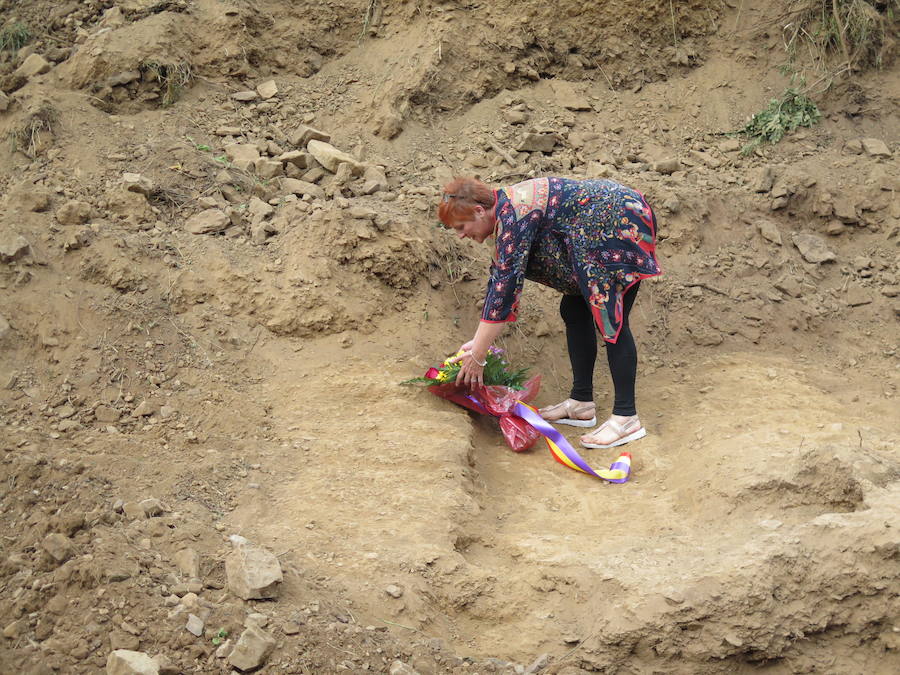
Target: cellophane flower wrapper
x=497 y=401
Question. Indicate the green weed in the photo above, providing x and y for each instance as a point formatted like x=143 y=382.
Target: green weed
x=781 y=117
x=14 y=36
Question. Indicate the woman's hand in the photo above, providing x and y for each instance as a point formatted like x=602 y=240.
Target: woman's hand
x=471 y=372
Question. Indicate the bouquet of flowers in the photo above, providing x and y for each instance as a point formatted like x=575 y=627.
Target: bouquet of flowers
x=504 y=388
x=496 y=371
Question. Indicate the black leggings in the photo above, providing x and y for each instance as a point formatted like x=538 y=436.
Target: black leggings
x=581 y=336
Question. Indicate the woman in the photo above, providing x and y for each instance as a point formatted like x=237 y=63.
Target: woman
x=592 y=240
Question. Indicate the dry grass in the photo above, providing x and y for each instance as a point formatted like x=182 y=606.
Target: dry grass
x=174 y=78
x=30 y=136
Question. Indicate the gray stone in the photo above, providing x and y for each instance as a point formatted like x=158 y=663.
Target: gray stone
x=813 y=248
x=134 y=511
x=32 y=66
x=567 y=97
x=208 y=222
x=857 y=296
x=267 y=89
x=135 y=182
x=13 y=247
x=394 y=591
x=106 y=415
x=194 y=625
x=74 y=213
x=666 y=166
x=4 y=102
x=330 y=157
x=374 y=180
x=152 y=507
x=5 y=329
x=253 y=573
x=268 y=168
x=538 y=664
x=245 y=96
x=789 y=286
x=58 y=546
x=534 y=142
x=875 y=147
x=400 y=668
x=763 y=179
x=252 y=649
x=28 y=197
x=303 y=134
x=127 y=662
x=302 y=188
x=769 y=231
x=298 y=158
x=242 y=155
x=228 y=131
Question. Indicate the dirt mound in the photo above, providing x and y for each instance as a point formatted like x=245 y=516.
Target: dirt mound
x=219 y=256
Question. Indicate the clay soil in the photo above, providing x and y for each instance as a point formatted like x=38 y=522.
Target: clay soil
x=240 y=368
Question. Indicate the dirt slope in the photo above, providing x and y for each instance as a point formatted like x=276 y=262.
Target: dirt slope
x=204 y=321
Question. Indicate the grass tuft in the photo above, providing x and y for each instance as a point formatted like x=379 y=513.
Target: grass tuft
x=173 y=77
x=14 y=36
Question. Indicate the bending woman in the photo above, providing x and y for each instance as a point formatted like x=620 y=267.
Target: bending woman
x=592 y=240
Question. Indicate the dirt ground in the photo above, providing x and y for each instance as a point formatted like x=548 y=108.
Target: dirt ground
x=205 y=318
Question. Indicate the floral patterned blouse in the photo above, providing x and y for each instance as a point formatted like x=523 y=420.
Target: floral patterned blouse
x=593 y=238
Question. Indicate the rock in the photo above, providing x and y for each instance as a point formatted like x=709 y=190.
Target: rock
x=134 y=511
x=567 y=97
x=32 y=66
x=769 y=231
x=74 y=213
x=152 y=507
x=516 y=116
x=187 y=560
x=301 y=187
x=875 y=147
x=28 y=197
x=290 y=628
x=267 y=89
x=228 y=131
x=252 y=649
x=208 y=222
x=123 y=78
x=13 y=247
x=887 y=291
x=194 y=625
x=763 y=180
x=389 y=125
x=5 y=329
x=106 y=415
x=845 y=210
x=298 y=158
x=268 y=168
x=789 y=286
x=374 y=180
x=127 y=662
x=245 y=96
x=242 y=155
x=394 y=591
x=666 y=166
x=857 y=296
x=4 y=102
x=538 y=142
x=253 y=573
x=538 y=664
x=58 y=546
x=135 y=182
x=330 y=157
x=400 y=668
x=303 y=134
x=145 y=409
x=813 y=248
x=706 y=159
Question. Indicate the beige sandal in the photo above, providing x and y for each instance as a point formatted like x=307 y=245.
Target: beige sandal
x=570 y=412
x=611 y=434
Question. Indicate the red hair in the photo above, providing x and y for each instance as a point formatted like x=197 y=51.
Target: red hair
x=461 y=196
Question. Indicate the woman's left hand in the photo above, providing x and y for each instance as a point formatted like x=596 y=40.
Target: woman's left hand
x=471 y=374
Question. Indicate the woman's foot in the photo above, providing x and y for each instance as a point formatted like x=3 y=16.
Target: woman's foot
x=571 y=412
x=615 y=431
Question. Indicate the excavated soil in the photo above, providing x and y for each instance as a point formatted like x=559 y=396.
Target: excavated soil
x=203 y=330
